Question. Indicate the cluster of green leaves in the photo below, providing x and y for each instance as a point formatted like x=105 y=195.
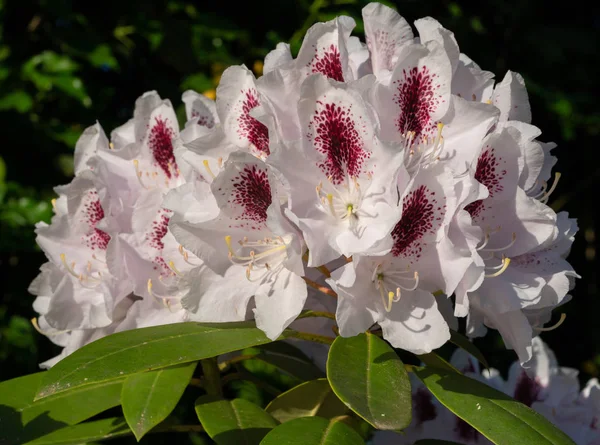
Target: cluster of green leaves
x=146 y=371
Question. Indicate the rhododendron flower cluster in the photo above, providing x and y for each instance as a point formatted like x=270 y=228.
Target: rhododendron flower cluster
x=550 y=390
x=399 y=161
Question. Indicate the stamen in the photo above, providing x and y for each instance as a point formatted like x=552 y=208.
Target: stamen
x=485 y=242
x=500 y=249
x=207 y=168
x=388 y=306
x=505 y=263
x=71 y=268
x=546 y=196
x=563 y=316
x=53 y=201
x=36 y=326
x=139 y=174
x=330 y=201
x=171 y=265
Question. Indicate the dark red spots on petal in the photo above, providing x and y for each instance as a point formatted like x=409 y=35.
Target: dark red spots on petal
x=159 y=229
x=339 y=140
x=527 y=390
x=252 y=191
x=249 y=127
x=417 y=101
x=421 y=214
x=423 y=406
x=94 y=213
x=490 y=174
x=160 y=142
x=382 y=45
x=205 y=117
x=161 y=266
x=329 y=63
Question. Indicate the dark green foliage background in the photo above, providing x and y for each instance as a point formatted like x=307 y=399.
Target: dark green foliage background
x=64 y=64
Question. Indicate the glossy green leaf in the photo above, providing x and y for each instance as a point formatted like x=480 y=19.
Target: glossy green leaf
x=312 y=431
x=148 y=398
x=369 y=377
x=288 y=359
x=146 y=349
x=314 y=398
x=233 y=422
x=464 y=343
x=434 y=360
x=85 y=432
x=22 y=419
x=498 y=417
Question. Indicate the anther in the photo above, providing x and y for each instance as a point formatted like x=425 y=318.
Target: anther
x=505 y=263
x=207 y=168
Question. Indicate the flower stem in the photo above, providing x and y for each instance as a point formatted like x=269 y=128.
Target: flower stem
x=320 y=288
x=307 y=314
x=313 y=337
x=212 y=377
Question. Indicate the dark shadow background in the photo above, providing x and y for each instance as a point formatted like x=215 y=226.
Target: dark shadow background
x=64 y=64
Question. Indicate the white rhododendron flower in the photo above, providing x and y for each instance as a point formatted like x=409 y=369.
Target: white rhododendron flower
x=392 y=174
x=545 y=387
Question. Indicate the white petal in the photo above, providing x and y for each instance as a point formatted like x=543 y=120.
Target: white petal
x=415 y=324
x=278 y=302
x=386 y=33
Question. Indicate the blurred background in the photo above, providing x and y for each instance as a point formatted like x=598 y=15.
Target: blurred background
x=66 y=64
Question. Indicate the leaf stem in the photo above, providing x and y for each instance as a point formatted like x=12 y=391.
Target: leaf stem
x=313 y=337
x=307 y=314
x=212 y=377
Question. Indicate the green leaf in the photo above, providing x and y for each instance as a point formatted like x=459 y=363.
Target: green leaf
x=367 y=375
x=312 y=431
x=148 y=398
x=464 y=343
x=102 y=57
x=498 y=417
x=314 y=398
x=233 y=421
x=146 y=349
x=85 y=432
x=22 y=419
x=17 y=100
x=288 y=359
x=434 y=360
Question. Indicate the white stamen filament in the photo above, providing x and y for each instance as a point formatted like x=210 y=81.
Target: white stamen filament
x=388 y=297
x=267 y=255
x=186 y=256
x=36 y=326
x=423 y=151
x=546 y=195
x=140 y=174
x=502 y=267
x=81 y=277
x=166 y=301
x=343 y=202
x=499 y=249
